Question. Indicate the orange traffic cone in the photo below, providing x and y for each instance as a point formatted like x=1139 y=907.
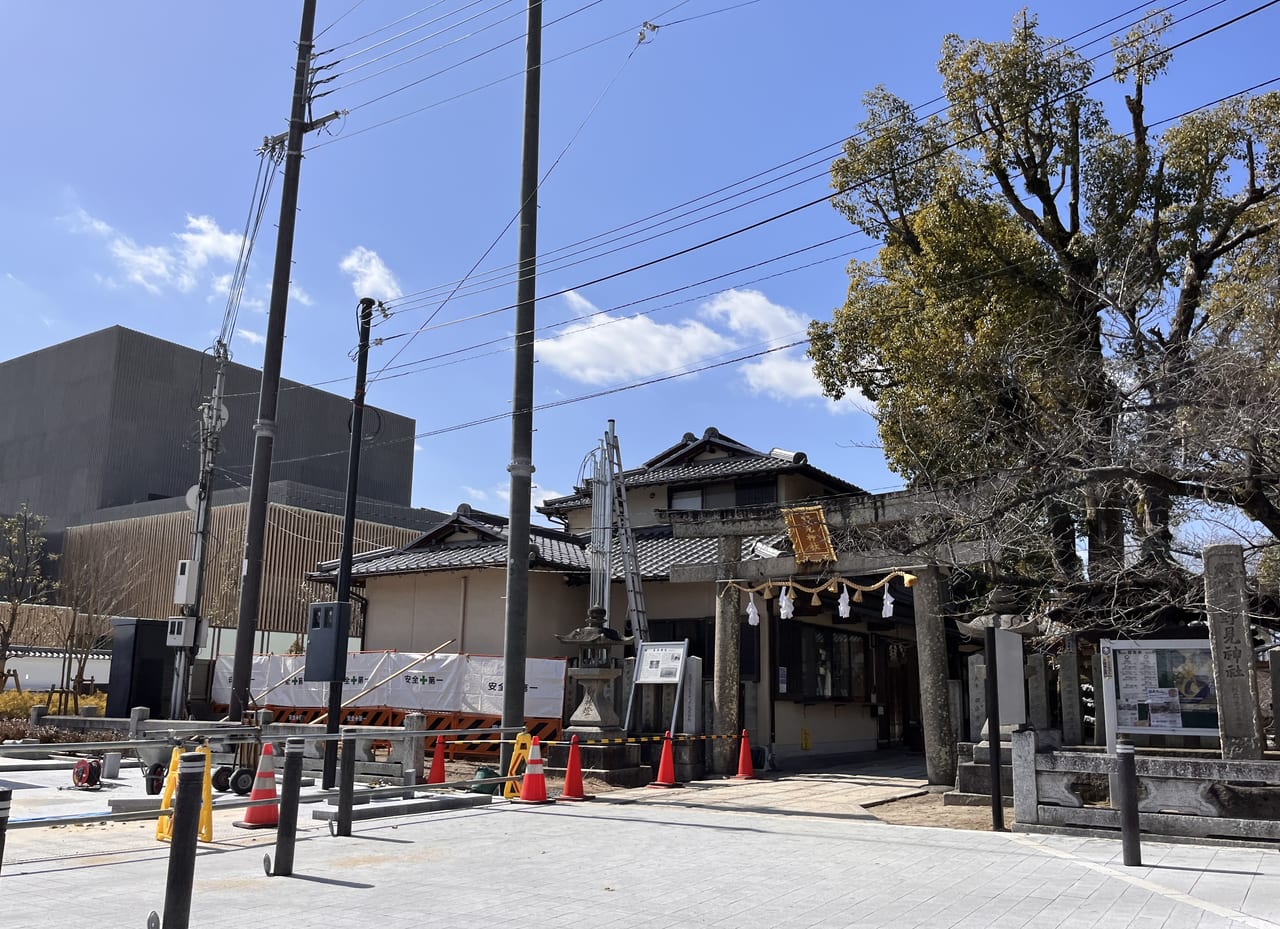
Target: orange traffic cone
x=573 y=774
x=266 y=816
x=745 y=771
x=436 y=775
x=666 y=765
x=533 y=789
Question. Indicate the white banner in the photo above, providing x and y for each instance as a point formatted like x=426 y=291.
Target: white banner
x=433 y=684
x=441 y=683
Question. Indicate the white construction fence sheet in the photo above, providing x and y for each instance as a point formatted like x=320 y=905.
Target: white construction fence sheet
x=438 y=684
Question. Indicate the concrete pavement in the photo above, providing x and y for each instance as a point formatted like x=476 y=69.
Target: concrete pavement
x=725 y=854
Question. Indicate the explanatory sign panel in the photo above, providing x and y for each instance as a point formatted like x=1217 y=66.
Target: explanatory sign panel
x=1159 y=686
x=660 y=662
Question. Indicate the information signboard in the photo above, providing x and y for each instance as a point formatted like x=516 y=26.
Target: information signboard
x=1158 y=686
x=659 y=663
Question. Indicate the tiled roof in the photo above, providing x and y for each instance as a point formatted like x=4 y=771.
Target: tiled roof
x=703 y=471
x=560 y=553
x=657 y=550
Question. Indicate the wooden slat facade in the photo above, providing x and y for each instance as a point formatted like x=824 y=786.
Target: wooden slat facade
x=296 y=540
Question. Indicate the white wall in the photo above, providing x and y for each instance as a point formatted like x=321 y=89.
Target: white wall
x=418 y=612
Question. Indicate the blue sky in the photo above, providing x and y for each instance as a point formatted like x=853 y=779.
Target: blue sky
x=130 y=162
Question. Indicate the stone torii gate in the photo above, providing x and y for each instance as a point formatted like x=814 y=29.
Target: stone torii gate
x=731 y=526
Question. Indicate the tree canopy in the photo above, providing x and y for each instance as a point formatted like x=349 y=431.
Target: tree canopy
x=1083 y=315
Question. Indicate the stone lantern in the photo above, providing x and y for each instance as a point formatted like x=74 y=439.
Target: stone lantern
x=597 y=668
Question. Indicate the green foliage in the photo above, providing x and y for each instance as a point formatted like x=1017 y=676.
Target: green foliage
x=1056 y=298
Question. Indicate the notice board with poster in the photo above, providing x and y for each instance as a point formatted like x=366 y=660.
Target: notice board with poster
x=1158 y=687
x=659 y=663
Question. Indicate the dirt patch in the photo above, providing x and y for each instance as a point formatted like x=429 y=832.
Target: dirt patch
x=929 y=810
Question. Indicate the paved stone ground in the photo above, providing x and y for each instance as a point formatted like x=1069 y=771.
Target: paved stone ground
x=793 y=852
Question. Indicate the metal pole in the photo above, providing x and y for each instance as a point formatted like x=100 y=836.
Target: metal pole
x=182 y=842
x=211 y=422
x=6 y=802
x=290 y=791
x=264 y=430
x=993 y=733
x=1127 y=780
x=343 y=594
x=347 y=787
x=516 y=631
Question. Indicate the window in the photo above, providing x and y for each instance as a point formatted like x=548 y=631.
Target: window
x=757 y=493
x=821 y=663
x=686 y=499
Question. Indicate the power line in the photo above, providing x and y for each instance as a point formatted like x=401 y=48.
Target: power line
x=717 y=277
x=492 y=245
x=504 y=273
x=419 y=41
x=851 y=186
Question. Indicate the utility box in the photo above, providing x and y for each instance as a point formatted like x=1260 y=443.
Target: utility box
x=182 y=632
x=328 y=625
x=184 y=585
x=141 y=667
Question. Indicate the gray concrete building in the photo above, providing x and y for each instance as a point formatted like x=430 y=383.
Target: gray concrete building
x=109 y=419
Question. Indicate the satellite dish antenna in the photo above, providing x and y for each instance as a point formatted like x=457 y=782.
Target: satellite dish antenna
x=193 y=498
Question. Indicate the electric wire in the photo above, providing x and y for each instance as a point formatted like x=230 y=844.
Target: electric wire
x=418 y=299
x=847 y=188
x=431 y=51
x=268 y=161
x=391 y=25
x=514 y=216
x=478 y=55
x=704 y=281
x=353 y=8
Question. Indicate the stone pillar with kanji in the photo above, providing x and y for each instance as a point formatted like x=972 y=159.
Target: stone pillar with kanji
x=1227 y=611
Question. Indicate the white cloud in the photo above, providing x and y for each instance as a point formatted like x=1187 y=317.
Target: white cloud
x=253 y=338
x=475 y=493
x=785 y=374
x=148 y=266
x=579 y=304
x=370 y=276
x=81 y=221
x=604 y=348
x=301 y=296
x=156 y=268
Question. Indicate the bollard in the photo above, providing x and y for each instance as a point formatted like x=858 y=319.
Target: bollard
x=6 y=800
x=287 y=829
x=413 y=752
x=993 y=733
x=182 y=844
x=1127 y=781
x=346 y=786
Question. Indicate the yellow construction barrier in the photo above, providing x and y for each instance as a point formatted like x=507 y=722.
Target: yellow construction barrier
x=519 y=756
x=164 y=825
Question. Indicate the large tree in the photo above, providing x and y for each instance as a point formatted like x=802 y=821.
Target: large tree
x=1082 y=315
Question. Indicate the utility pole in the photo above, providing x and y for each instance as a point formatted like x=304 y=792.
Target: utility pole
x=343 y=594
x=264 y=430
x=516 y=633
x=213 y=416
